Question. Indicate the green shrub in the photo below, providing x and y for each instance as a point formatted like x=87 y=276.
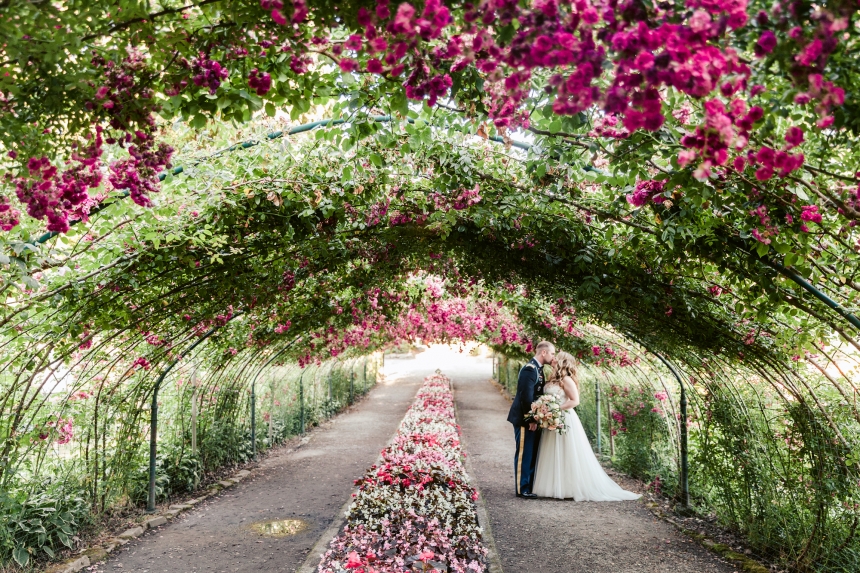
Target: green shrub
x=40 y=519
x=223 y=443
x=138 y=489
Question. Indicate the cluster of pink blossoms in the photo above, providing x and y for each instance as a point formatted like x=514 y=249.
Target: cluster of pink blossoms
x=464 y=199
x=607 y=357
x=415 y=509
x=9 y=216
x=51 y=194
x=404 y=31
x=376 y=213
x=139 y=173
x=133 y=120
x=276 y=7
x=64 y=428
x=208 y=73
x=647 y=191
x=725 y=130
x=60 y=196
x=260 y=82
x=629 y=403
x=438 y=319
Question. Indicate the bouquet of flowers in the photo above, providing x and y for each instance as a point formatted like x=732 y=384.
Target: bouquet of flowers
x=546 y=411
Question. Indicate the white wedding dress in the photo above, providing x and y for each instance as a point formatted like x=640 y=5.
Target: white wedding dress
x=567 y=468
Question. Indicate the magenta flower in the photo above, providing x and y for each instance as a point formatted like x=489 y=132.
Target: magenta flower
x=260 y=82
x=363 y=17
x=402 y=23
x=810 y=53
x=348 y=65
x=374 y=66
x=794 y=136
x=810 y=214
x=279 y=18
x=645 y=191
x=353 y=42
x=766 y=43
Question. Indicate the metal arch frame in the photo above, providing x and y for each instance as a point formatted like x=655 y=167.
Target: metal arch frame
x=788 y=273
x=685 y=468
x=254 y=394
x=153 y=414
x=272 y=136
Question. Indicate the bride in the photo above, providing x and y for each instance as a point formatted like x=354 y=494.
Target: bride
x=566 y=465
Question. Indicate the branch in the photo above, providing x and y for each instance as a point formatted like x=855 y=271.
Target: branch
x=126 y=24
x=848 y=212
x=148 y=18
x=557 y=134
x=828 y=173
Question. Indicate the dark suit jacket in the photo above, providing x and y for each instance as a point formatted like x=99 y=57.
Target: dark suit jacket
x=529 y=387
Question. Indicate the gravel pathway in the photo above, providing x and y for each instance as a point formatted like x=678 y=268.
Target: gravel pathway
x=554 y=536
x=310 y=482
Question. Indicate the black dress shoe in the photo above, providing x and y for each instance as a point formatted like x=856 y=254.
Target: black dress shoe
x=528 y=495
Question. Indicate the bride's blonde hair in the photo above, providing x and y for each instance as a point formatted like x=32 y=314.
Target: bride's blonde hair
x=565 y=366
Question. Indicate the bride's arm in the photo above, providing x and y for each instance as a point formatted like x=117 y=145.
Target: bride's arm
x=572 y=394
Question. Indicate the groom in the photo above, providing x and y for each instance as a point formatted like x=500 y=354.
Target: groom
x=526 y=432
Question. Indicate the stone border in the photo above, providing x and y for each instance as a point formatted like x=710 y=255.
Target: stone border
x=742 y=562
x=312 y=559
x=494 y=558
x=98 y=553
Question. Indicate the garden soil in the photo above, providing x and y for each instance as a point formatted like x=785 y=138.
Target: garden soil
x=312 y=480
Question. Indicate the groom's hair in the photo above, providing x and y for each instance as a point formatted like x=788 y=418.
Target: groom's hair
x=542 y=345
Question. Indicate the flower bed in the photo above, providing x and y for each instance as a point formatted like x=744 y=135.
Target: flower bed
x=415 y=510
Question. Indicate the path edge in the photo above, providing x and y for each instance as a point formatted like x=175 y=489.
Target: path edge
x=313 y=559
x=314 y=556
x=495 y=561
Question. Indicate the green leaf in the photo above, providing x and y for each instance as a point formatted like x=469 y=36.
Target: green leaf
x=21 y=556
x=781 y=248
x=376 y=159
x=400 y=103
x=270 y=109
x=198 y=121
x=762 y=249
x=555 y=126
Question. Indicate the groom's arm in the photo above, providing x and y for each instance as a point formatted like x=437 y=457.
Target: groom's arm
x=526 y=389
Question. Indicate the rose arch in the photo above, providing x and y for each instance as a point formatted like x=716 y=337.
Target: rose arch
x=231 y=204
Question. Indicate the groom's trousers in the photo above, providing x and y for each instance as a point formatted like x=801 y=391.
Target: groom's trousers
x=525 y=458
